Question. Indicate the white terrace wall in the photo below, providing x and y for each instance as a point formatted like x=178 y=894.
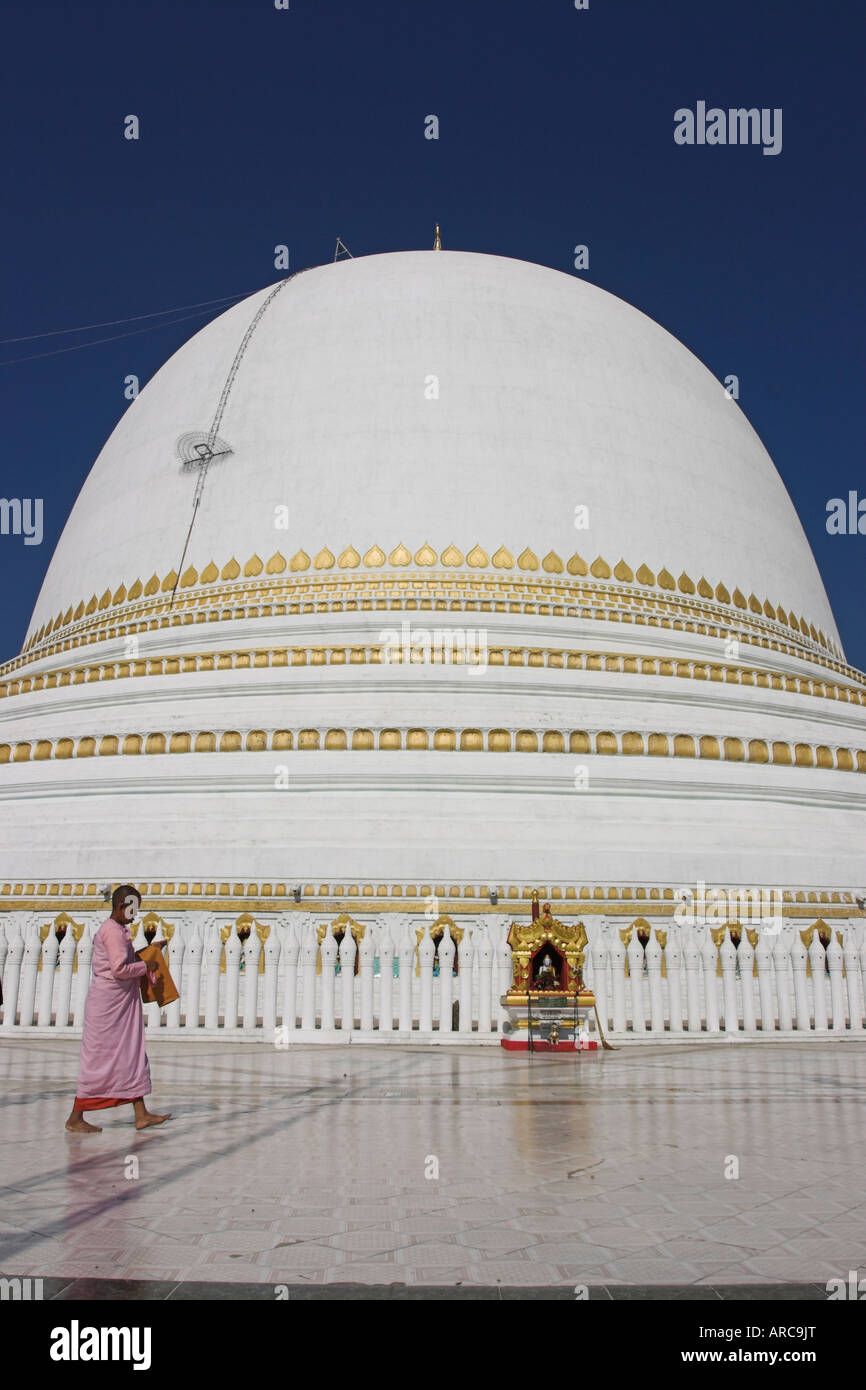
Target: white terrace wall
x=289 y=989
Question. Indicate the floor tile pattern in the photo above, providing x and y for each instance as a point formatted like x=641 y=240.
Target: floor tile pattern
x=458 y=1168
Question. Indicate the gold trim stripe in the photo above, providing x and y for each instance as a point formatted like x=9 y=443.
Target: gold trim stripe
x=484 y=602
x=576 y=741
x=461 y=898
x=532 y=658
x=452 y=557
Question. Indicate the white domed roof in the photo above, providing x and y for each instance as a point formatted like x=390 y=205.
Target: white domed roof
x=552 y=394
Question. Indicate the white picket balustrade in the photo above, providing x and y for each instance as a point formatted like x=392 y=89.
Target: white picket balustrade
x=782 y=969
x=799 y=961
x=465 y=969
x=746 y=961
x=386 y=977
x=851 y=967
x=175 y=959
x=709 y=971
x=440 y=989
x=50 y=953
x=447 y=953
x=673 y=962
x=405 y=966
x=728 y=958
x=291 y=950
x=653 y=956
x=616 y=961
x=817 y=963
x=835 y=964
x=635 y=958
x=192 y=965
x=692 y=962
x=12 y=975
x=347 y=953
x=596 y=974
x=309 y=953
x=485 y=971
x=426 y=954
x=366 y=960
x=764 y=962
x=82 y=979
x=328 y=957
x=63 y=983
x=252 y=951
x=29 y=969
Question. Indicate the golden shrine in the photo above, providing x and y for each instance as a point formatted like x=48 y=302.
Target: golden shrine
x=548 y=1004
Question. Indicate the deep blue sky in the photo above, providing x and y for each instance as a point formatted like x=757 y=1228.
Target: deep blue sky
x=261 y=127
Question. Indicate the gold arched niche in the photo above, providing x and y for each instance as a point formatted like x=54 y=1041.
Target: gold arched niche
x=437 y=931
x=60 y=926
x=244 y=925
x=339 y=926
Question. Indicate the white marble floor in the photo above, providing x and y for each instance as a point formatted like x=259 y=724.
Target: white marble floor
x=318 y=1165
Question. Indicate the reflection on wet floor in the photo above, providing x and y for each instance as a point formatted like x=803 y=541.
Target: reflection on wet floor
x=671 y=1164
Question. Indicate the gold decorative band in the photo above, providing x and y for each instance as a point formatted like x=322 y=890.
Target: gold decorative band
x=575 y=741
x=467 y=898
x=530 y=658
x=551 y=600
x=527 y=564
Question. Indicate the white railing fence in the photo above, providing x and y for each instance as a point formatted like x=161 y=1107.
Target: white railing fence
x=390 y=987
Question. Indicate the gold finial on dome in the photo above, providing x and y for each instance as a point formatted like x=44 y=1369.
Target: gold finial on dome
x=437 y=240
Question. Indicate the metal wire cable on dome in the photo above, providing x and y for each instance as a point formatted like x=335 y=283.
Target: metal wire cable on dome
x=225 y=302
x=217 y=419
x=131 y=318
x=112 y=338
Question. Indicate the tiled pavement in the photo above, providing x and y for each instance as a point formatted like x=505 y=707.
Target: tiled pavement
x=309 y=1167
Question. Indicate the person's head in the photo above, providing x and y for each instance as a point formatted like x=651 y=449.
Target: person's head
x=125 y=902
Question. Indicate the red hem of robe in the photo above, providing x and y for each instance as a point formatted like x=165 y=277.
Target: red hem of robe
x=89 y=1103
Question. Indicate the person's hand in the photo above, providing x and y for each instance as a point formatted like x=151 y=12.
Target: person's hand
x=153 y=976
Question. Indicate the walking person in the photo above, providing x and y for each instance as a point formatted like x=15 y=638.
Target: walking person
x=113 y=1068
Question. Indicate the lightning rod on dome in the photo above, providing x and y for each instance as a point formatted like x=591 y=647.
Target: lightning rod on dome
x=437 y=240
x=342 y=249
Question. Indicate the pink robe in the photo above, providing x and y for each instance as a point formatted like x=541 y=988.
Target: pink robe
x=113 y=1063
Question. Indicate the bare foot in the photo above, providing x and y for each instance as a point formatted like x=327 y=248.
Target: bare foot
x=147 y=1119
x=76 y=1124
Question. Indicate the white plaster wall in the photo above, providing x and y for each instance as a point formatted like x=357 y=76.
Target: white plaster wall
x=553 y=393
x=461 y=818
